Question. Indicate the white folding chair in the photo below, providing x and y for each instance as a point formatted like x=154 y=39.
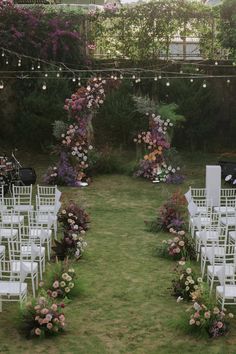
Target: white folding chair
x=17 y=257
x=22 y=196
x=226 y=291
x=13 y=289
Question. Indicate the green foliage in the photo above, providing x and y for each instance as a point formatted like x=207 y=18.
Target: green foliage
x=227 y=32
x=37 y=111
x=116 y=120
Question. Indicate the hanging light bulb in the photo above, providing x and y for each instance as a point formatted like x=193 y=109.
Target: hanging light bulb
x=3 y=53
x=58 y=75
x=191 y=80
x=155 y=78
x=168 y=83
x=115 y=77
x=32 y=67
x=234 y=63
x=112 y=76
x=74 y=79
x=228 y=81
x=121 y=76
x=99 y=78
x=197 y=69
x=1 y=85
x=46 y=75
x=181 y=71
x=38 y=66
x=159 y=77
x=216 y=62
x=133 y=77
x=44 y=86
x=7 y=62
x=204 y=85
x=19 y=62
x=60 y=68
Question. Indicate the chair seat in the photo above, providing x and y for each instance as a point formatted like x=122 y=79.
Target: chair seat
x=210 y=252
x=14 y=219
x=23 y=208
x=13 y=288
x=202 y=209
x=2 y=250
x=213 y=235
x=44 y=219
x=232 y=235
x=8 y=233
x=230 y=291
x=15 y=266
x=40 y=233
x=205 y=221
x=26 y=251
x=224 y=210
x=47 y=208
x=229 y=270
x=230 y=221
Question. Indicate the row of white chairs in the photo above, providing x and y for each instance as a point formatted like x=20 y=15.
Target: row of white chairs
x=214 y=232
x=25 y=239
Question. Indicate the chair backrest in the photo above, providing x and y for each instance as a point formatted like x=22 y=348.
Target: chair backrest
x=39 y=219
x=22 y=195
x=228 y=192
x=46 y=191
x=198 y=192
x=9 y=203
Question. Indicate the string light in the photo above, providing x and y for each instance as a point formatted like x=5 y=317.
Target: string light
x=58 y=75
x=191 y=80
x=32 y=67
x=228 y=81
x=19 y=62
x=7 y=62
x=181 y=71
x=46 y=75
x=44 y=86
x=204 y=85
x=155 y=78
x=38 y=66
x=121 y=77
x=1 y=85
x=216 y=62
x=60 y=68
x=74 y=79
x=168 y=83
x=3 y=53
x=197 y=69
x=159 y=77
x=133 y=77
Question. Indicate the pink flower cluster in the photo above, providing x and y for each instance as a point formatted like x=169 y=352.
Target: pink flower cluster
x=62 y=284
x=48 y=318
x=177 y=244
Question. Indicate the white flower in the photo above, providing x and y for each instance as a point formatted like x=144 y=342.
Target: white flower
x=179 y=299
x=188 y=270
x=196 y=306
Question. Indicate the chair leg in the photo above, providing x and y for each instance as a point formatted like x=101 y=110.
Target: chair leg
x=0 y=304
x=33 y=286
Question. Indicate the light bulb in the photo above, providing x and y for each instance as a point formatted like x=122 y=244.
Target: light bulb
x=32 y=67
x=46 y=75
x=234 y=63
x=160 y=77
x=197 y=69
x=60 y=68
x=121 y=76
x=155 y=78
x=133 y=77
x=204 y=85
x=3 y=54
x=168 y=83
x=216 y=62
x=228 y=81
x=112 y=76
x=38 y=66
x=74 y=79
x=7 y=62
x=79 y=78
x=181 y=72
x=58 y=75
x=1 y=85
x=19 y=62
x=44 y=87
x=191 y=80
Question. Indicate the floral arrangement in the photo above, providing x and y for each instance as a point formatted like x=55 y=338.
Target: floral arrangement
x=43 y=318
x=171 y=214
x=186 y=284
x=156 y=142
x=71 y=246
x=62 y=284
x=75 y=222
x=73 y=218
x=210 y=319
x=75 y=142
x=179 y=247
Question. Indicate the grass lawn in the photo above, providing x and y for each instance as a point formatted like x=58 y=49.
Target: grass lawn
x=125 y=305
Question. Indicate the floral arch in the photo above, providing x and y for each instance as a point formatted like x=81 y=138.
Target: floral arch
x=75 y=139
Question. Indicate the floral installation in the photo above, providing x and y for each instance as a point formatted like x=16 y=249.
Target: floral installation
x=179 y=247
x=211 y=319
x=75 y=142
x=170 y=215
x=153 y=166
x=74 y=218
x=43 y=318
x=75 y=223
x=186 y=283
x=71 y=246
x=63 y=283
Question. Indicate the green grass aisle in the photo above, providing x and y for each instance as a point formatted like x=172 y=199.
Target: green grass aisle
x=125 y=306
